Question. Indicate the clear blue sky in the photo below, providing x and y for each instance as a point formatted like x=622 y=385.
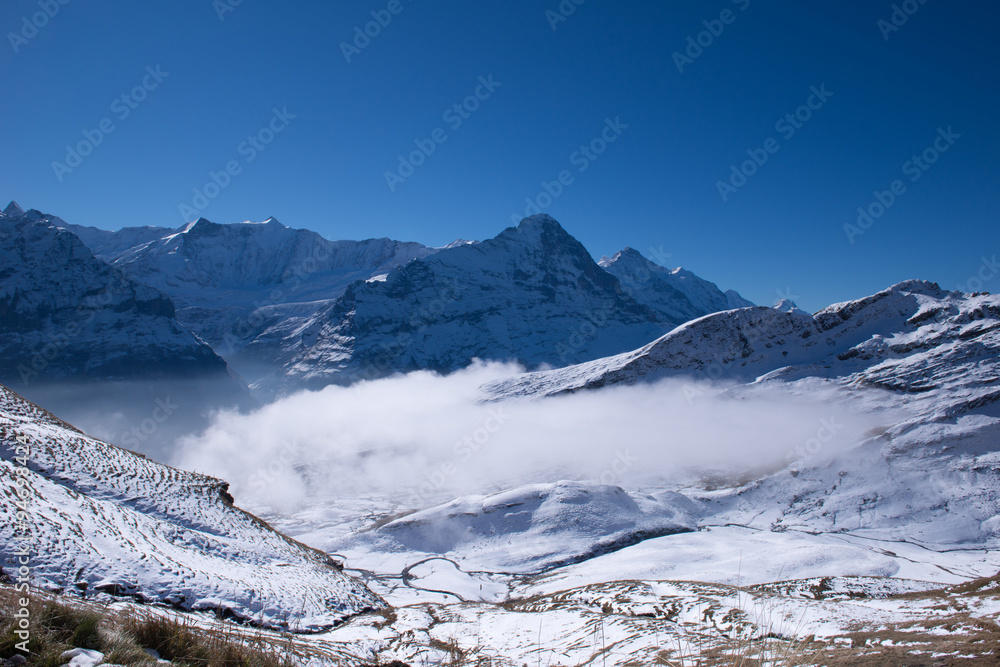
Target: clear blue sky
x=654 y=187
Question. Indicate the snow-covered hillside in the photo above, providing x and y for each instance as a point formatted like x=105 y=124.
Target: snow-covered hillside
x=837 y=539
x=102 y=520
x=870 y=341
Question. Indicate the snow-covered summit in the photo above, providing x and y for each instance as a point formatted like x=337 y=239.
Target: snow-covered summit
x=108 y=325
x=533 y=294
x=677 y=295
x=788 y=306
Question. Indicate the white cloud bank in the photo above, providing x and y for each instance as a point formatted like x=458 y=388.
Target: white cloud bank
x=424 y=438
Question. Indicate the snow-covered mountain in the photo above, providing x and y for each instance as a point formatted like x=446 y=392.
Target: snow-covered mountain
x=676 y=295
x=532 y=294
x=66 y=315
x=85 y=339
x=285 y=306
x=230 y=280
x=97 y=519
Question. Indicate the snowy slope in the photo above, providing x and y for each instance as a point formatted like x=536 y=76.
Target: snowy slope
x=229 y=280
x=676 y=295
x=841 y=540
x=917 y=496
x=923 y=361
x=531 y=528
x=104 y=520
x=531 y=294
x=878 y=333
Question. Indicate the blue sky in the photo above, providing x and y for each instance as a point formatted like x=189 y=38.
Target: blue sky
x=886 y=93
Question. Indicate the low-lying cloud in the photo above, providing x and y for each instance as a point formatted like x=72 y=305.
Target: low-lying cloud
x=424 y=438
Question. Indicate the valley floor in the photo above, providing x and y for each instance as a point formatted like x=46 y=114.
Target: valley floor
x=691 y=598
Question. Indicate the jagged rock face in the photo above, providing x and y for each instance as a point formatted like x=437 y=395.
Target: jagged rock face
x=66 y=315
x=230 y=281
x=532 y=294
x=99 y=519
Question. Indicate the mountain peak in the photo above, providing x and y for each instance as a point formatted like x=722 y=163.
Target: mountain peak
x=788 y=306
x=917 y=286
x=13 y=210
x=201 y=225
x=538 y=218
x=627 y=254
x=541 y=231
x=540 y=221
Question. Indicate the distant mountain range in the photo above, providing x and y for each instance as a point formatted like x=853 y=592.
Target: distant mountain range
x=227 y=279
x=289 y=309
